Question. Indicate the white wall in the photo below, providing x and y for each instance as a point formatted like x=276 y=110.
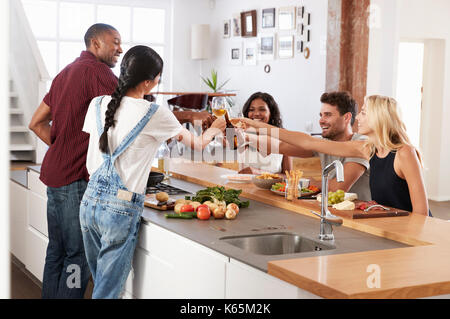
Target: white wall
x=296 y=83
x=426 y=21
x=431 y=123
x=4 y=154
x=421 y=19
x=186 y=72
x=383 y=48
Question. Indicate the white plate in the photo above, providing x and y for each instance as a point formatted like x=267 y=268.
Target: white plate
x=239 y=178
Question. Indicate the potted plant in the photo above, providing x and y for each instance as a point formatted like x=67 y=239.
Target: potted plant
x=212 y=84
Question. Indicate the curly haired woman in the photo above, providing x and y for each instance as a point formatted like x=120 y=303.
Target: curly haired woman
x=262 y=107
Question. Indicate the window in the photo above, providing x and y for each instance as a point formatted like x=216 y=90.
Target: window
x=60 y=34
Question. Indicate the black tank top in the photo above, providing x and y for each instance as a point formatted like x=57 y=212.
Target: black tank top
x=386 y=187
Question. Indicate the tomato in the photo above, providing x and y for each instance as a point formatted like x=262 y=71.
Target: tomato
x=203 y=213
x=202 y=205
x=186 y=208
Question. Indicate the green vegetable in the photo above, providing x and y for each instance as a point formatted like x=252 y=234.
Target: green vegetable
x=186 y=215
x=279 y=186
x=221 y=194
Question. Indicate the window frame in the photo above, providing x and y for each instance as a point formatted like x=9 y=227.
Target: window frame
x=132 y=4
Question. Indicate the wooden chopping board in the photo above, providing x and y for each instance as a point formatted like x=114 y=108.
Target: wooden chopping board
x=150 y=201
x=375 y=213
x=357 y=213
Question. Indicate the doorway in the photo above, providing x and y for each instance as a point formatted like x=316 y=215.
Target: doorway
x=409 y=87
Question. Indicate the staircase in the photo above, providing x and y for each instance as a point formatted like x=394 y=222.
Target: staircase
x=27 y=86
x=21 y=146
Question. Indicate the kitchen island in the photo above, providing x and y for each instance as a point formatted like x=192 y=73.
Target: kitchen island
x=188 y=259
x=422 y=270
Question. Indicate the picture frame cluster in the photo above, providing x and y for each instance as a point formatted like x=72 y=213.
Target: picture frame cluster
x=280 y=33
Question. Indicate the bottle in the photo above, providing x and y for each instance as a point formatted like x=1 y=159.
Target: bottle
x=163 y=156
x=230 y=133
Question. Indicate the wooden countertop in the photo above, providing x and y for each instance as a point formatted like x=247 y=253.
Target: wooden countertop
x=414 y=272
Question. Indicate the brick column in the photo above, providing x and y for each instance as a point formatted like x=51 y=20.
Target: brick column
x=348 y=47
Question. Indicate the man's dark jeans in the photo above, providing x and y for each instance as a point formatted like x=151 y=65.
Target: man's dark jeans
x=66 y=272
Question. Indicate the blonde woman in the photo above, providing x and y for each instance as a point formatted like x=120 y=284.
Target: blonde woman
x=396 y=178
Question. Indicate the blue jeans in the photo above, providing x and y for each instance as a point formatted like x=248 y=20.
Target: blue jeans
x=110 y=228
x=66 y=272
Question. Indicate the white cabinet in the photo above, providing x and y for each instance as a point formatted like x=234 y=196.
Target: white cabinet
x=18 y=204
x=167 y=265
x=36 y=252
x=35 y=184
x=244 y=282
x=37 y=231
x=37 y=213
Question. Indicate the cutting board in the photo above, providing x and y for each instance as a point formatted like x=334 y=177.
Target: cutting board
x=375 y=213
x=150 y=201
x=357 y=213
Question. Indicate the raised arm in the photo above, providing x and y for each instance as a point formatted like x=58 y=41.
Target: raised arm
x=270 y=144
x=307 y=142
x=198 y=143
x=204 y=117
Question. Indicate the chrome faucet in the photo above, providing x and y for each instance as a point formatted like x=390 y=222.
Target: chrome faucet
x=327 y=220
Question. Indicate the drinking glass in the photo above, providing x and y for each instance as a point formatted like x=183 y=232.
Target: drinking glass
x=218 y=106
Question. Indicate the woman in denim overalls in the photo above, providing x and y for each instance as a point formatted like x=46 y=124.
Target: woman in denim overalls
x=109 y=212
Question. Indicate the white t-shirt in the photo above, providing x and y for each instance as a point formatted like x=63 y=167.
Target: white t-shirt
x=134 y=164
x=361 y=186
x=251 y=157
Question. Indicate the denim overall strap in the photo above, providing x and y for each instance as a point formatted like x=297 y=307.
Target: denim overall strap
x=100 y=128
x=134 y=132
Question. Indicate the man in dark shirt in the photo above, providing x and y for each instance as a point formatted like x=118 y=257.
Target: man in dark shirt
x=63 y=170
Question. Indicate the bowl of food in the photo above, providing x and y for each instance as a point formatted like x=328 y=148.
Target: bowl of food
x=266 y=180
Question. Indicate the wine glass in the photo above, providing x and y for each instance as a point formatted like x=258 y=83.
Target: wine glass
x=218 y=106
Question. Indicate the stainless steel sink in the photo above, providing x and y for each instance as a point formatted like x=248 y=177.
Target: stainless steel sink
x=276 y=243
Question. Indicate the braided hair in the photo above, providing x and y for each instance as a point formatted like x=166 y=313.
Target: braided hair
x=275 y=116
x=139 y=64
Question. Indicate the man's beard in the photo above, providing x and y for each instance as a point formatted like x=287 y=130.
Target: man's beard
x=109 y=62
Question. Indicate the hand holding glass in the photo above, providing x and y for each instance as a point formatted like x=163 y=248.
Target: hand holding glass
x=218 y=106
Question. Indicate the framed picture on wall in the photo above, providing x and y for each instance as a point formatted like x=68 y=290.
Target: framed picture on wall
x=286 y=18
x=286 y=46
x=268 y=18
x=250 y=52
x=300 y=45
x=248 y=24
x=300 y=12
x=236 y=53
x=236 y=25
x=300 y=29
x=226 y=28
x=267 y=47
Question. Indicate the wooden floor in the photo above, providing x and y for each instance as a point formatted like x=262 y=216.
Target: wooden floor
x=25 y=286
x=440 y=209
